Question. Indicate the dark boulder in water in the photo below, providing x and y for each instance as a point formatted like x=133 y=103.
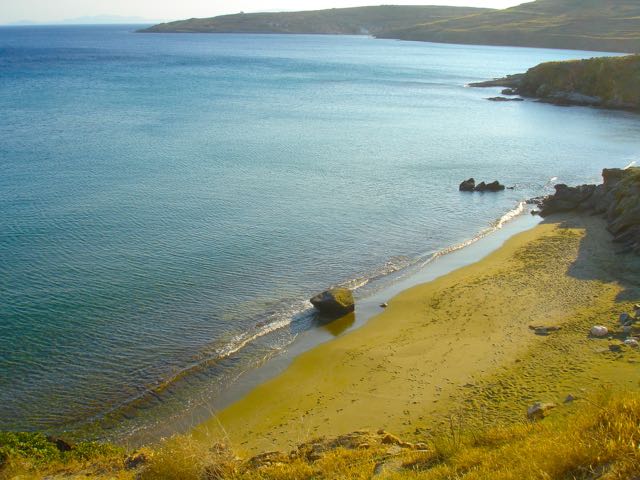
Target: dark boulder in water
x=468 y=185
x=494 y=186
x=335 y=301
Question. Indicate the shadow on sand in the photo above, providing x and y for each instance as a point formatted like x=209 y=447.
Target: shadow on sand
x=599 y=258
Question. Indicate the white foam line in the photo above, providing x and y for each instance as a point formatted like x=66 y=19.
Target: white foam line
x=497 y=225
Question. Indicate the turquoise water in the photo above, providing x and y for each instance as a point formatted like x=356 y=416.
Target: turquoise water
x=169 y=202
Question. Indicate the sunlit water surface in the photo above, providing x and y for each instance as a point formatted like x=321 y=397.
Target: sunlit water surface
x=169 y=202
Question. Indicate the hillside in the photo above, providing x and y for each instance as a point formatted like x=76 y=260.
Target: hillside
x=609 y=82
x=346 y=21
x=597 y=441
x=600 y=25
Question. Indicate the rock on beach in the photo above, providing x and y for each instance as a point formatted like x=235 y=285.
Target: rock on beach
x=335 y=301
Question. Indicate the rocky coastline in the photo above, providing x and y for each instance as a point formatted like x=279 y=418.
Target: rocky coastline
x=617 y=199
x=606 y=82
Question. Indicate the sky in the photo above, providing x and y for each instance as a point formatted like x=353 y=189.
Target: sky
x=12 y=11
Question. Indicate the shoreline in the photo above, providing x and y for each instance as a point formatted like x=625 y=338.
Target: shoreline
x=430 y=268
x=379 y=376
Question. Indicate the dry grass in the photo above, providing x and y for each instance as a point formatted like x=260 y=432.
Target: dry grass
x=600 y=439
x=595 y=439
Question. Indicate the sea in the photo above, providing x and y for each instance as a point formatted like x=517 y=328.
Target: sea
x=169 y=202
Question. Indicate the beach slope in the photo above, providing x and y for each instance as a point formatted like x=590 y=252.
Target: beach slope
x=461 y=343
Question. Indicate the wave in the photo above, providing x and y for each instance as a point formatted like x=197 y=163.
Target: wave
x=496 y=225
x=276 y=321
x=285 y=316
x=392 y=265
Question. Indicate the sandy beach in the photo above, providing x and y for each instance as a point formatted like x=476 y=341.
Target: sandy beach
x=460 y=345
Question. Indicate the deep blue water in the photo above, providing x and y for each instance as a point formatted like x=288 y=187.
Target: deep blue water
x=164 y=199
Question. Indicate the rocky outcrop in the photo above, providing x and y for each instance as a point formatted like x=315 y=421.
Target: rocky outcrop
x=607 y=82
x=334 y=302
x=314 y=450
x=470 y=186
x=510 y=82
x=617 y=199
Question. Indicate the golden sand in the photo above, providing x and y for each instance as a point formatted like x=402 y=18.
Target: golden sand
x=458 y=345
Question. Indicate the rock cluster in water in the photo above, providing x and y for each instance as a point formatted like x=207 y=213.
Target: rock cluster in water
x=617 y=199
x=470 y=186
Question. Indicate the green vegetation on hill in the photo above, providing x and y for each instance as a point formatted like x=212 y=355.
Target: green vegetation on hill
x=347 y=21
x=599 y=25
x=609 y=82
x=615 y=81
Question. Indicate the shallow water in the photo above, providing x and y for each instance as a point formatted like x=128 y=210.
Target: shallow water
x=167 y=200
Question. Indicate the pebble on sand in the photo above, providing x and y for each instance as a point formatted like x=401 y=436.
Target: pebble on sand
x=599 y=331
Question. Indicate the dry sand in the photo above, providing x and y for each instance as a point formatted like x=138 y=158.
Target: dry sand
x=458 y=345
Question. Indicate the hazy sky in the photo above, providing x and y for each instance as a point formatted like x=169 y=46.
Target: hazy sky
x=52 y=10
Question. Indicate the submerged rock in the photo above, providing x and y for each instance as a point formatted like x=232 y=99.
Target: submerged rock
x=505 y=99
x=335 y=301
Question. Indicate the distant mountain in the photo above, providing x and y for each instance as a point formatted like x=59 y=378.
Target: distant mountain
x=346 y=21
x=105 y=19
x=602 y=25
x=93 y=20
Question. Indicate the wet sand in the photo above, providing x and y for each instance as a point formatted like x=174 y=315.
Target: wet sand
x=458 y=345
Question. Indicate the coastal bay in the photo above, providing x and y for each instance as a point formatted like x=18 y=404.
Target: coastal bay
x=160 y=287
x=187 y=232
